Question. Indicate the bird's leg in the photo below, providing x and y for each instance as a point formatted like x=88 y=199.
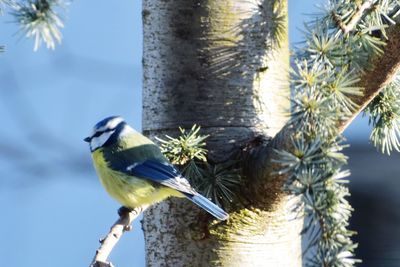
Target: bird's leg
x=122 y=212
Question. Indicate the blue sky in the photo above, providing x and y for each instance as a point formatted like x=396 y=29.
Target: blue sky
x=49 y=101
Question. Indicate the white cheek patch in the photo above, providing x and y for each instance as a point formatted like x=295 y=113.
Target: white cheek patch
x=98 y=141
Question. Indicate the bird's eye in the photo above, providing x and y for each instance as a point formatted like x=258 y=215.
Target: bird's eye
x=97 y=134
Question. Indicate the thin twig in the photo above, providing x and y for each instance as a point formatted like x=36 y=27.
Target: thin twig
x=116 y=231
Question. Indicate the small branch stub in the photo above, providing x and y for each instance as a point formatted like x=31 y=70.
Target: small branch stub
x=116 y=231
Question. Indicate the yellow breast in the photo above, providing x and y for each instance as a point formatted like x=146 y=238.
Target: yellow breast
x=129 y=190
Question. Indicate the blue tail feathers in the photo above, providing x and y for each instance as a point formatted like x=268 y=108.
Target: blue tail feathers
x=209 y=206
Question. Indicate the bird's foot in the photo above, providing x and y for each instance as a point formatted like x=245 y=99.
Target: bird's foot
x=123 y=211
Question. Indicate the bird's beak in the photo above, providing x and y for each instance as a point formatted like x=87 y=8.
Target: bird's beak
x=87 y=139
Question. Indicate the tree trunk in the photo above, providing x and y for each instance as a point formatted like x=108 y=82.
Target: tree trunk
x=224 y=66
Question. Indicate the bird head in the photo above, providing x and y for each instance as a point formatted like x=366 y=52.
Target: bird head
x=107 y=132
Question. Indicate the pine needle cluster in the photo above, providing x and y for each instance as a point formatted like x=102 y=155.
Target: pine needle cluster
x=339 y=44
x=218 y=182
x=37 y=19
x=384 y=116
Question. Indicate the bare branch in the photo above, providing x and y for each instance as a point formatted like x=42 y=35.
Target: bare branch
x=116 y=231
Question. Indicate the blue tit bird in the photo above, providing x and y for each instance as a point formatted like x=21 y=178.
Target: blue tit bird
x=133 y=170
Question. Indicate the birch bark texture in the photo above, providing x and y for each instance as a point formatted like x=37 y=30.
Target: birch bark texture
x=223 y=65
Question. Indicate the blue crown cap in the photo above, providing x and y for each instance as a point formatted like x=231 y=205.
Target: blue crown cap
x=104 y=122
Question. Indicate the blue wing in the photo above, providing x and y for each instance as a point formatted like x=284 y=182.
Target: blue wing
x=166 y=174
x=161 y=172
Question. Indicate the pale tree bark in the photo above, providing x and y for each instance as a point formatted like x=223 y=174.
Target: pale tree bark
x=220 y=64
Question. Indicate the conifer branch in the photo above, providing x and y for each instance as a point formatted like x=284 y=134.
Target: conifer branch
x=40 y=20
x=336 y=76
x=383 y=72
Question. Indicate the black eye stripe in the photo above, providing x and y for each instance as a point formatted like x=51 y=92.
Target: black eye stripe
x=97 y=134
x=117 y=128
